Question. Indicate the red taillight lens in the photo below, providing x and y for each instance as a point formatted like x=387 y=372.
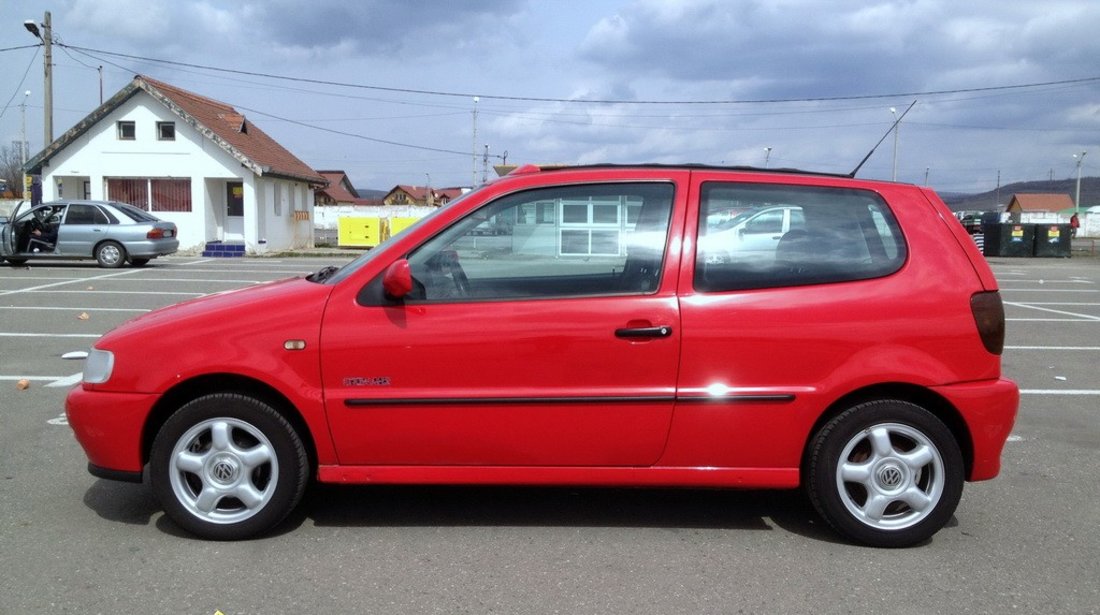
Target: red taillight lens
x=156 y=233
x=989 y=315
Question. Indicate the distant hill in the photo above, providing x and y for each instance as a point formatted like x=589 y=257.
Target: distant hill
x=367 y=193
x=1090 y=193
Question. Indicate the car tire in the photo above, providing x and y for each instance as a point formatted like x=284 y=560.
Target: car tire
x=110 y=254
x=16 y=262
x=885 y=473
x=139 y=262
x=227 y=466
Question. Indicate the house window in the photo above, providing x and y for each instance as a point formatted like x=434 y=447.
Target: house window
x=132 y=191
x=152 y=194
x=170 y=194
x=166 y=131
x=126 y=131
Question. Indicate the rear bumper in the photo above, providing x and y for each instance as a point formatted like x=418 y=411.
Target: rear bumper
x=989 y=410
x=152 y=248
x=109 y=427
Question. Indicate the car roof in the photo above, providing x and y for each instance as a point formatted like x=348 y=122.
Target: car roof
x=533 y=168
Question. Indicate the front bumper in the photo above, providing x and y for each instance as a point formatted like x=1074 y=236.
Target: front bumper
x=109 y=428
x=989 y=410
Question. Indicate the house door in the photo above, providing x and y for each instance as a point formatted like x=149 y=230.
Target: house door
x=234 y=211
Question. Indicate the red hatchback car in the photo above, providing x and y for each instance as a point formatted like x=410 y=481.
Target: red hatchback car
x=568 y=327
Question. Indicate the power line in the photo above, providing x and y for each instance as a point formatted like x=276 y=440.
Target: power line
x=923 y=94
x=21 y=81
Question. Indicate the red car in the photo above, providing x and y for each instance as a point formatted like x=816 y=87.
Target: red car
x=587 y=341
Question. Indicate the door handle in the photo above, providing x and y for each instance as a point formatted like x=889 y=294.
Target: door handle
x=643 y=332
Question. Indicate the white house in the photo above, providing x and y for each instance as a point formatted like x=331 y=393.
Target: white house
x=187 y=159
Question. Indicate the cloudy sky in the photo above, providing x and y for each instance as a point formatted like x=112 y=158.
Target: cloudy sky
x=385 y=89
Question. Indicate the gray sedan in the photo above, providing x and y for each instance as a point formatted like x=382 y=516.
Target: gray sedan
x=112 y=233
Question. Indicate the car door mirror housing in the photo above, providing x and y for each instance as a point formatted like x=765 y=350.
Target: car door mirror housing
x=397 y=280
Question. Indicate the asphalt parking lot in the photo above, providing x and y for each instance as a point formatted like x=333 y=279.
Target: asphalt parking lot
x=1026 y=542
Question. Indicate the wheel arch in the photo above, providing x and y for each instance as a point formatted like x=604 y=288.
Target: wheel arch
x=915 y=394
x=209 y=384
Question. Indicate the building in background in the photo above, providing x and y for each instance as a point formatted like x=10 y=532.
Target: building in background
x=188 y=159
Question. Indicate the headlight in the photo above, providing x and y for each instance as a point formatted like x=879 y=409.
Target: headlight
x=98 y=366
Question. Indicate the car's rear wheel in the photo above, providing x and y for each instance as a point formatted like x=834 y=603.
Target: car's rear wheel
x=227 y=466
x=110 y=254
x=885 y=473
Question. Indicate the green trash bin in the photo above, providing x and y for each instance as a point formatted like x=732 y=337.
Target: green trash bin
x=1009 y=239
x=1052 y=240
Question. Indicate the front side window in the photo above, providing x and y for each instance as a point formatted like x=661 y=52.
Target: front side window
x=126 y=131
x=552 y=242
x=767 y=236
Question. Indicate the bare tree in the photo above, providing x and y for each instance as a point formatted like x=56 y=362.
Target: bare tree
x=11 y=169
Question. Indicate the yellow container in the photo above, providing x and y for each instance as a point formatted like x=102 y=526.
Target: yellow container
x=399 y=224
x=359 y=232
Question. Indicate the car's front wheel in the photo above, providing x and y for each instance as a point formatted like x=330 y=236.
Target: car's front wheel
x=885 y=473
x=226 y=466
x=110 y=254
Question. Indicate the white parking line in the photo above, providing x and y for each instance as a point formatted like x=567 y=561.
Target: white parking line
x=1059 y=391
x=68 y=381
x=16 y=334
x=64 y=282
x=1059 y=348
x=1045 y=309
x=71 y=309
x=54 y=381
x=113 y=292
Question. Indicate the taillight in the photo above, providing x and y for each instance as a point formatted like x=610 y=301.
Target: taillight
x=989 y=315
x=156 y=233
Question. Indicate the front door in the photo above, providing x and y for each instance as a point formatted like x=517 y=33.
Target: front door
x=234 y=211
x=509 y=352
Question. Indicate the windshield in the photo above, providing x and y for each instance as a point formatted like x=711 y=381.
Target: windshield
x=355 y=265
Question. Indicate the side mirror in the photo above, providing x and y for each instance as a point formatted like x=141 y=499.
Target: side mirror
x=397 y=280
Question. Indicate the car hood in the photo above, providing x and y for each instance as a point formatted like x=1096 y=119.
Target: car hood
x=232 y=312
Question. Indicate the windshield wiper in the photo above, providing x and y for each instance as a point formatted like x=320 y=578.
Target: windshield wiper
x=322 y=274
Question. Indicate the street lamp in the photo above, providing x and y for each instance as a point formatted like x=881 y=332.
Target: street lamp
x=897 y=124
x=767 y=156
x=46 y=36
x=1077 y=201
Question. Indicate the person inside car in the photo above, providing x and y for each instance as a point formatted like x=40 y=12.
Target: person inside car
x=42 y=235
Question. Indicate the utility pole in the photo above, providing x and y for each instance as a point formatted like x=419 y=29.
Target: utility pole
x=46 y=36
x=1077 y=201
x=485 y=166
x=23 y=149
x=47 y=90
x=473 y=149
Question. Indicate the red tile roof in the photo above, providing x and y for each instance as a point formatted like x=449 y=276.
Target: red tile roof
x=231 y=130
x=1040 y=202
x=338 y=187
x=215 y=120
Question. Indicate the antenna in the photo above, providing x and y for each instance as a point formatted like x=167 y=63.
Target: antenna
x=888 y=130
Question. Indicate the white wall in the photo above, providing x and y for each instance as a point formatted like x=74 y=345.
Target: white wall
x=327 y=216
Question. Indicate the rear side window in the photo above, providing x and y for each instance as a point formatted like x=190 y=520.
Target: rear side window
x=767 y=236
x=85 y=214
